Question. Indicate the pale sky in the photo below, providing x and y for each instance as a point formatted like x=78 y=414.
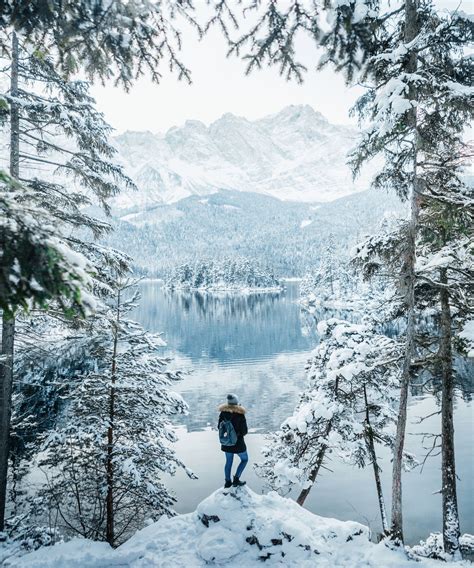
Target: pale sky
x=220 y=85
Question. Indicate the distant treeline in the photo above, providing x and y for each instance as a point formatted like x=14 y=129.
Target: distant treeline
x=240 y=224
x=222 y=275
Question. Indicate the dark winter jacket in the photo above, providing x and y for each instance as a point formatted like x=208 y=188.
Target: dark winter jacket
x=236 y=414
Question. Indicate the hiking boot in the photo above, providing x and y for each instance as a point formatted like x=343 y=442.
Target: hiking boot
x=237 y=482
x=227 y=484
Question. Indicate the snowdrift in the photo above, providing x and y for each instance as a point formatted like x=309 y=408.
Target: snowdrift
x=233 y=528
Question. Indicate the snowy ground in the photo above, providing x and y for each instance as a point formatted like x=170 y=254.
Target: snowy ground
x=233 y=528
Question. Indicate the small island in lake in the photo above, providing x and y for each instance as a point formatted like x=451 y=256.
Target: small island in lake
x=236 y=275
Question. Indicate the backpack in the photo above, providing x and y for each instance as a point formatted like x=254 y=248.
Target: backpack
x=227 y=433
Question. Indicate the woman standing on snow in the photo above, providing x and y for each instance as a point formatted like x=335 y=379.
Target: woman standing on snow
x=232 y=428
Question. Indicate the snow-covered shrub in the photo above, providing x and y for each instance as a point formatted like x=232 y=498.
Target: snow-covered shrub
x=433 y=546
x=22 y=535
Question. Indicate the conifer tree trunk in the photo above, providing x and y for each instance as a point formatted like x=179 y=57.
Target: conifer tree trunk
x=312 y=476
x=451 y=530
x=369 y=438
x=8 y=323
x=408 y=275
x=6 y=378
x=110 y=528
x=319 y=457
x=317 y=466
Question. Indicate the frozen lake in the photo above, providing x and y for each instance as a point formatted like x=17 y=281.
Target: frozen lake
x=256 y=346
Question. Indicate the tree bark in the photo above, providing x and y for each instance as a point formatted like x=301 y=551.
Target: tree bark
x=312 y=476
x=319 y=462
x=8 y=323
x=110 y=524
x=369 y=438
x=319 y=458
x=6 y=379
x=408 y=275
x=451 y=529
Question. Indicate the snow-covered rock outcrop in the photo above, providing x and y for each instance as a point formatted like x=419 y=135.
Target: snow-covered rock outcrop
x=235 y=528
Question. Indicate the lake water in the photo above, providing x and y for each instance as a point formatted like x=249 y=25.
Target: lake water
x=257 y=346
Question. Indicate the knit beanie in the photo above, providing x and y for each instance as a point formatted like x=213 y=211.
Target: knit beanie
x=232 y=399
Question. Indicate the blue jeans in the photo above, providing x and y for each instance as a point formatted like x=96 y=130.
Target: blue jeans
x=229 y=459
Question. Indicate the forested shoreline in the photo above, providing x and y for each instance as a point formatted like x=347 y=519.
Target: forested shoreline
x=226 y=275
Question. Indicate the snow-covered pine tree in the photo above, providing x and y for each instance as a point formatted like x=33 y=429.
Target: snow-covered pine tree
x=105 y=459
x=53 y=126
x=418 y=107
x=327 y=269
x=420 y=79
x=443 y=294
x=249 y=276
x=51 y=352
x=61 y=141
x=31 y=246
x=122 y=39
x=346 y=408
x=36 y=267
x=330 y=283
x=445 y=271
x=443 y=287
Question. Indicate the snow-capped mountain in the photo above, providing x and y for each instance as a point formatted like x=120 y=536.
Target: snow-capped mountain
x=294 y=155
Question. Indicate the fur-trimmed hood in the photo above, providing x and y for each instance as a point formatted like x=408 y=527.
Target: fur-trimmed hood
x=232 y=408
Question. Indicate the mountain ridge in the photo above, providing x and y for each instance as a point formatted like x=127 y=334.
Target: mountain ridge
x=289 y=237
x=295 y=154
